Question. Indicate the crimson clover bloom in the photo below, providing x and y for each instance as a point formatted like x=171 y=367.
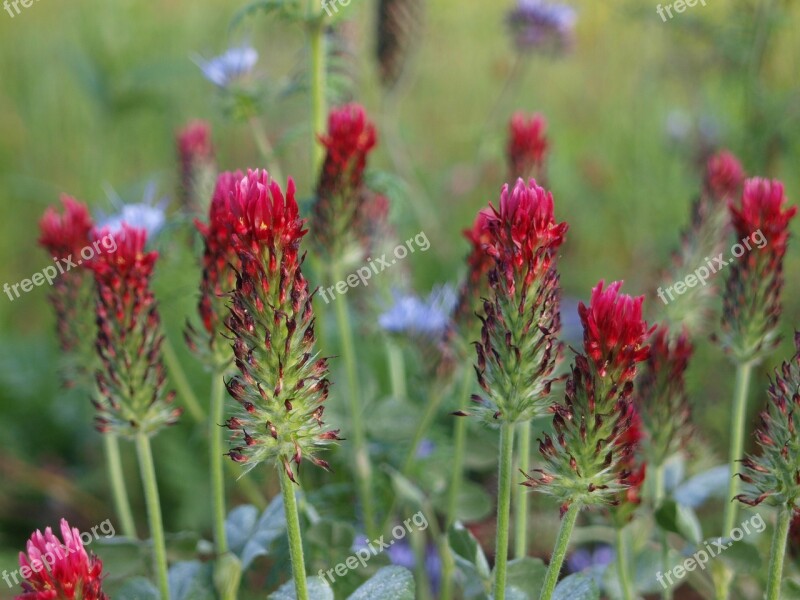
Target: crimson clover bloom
x=587 y=459
x=219 y=276
x=130 y=395
x=64 y=236
x=774 y=474
x=56 y=570
x=661 y=394
x=282 y=382
x=197 y=164
x=520 y=321
x=527 y=146
x=752 y=299
x=340 y=190
x=704 y=238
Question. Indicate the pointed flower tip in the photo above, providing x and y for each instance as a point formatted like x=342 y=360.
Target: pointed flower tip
x=527 y=143
x=724 y=175
x=66 y=233
x=763 y=208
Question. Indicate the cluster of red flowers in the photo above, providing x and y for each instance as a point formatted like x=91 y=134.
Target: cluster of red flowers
x=724 y=176
x=130 y=385
x=197 y=162
x=60 y=571
x=589 y=460
x=281 y=385
x=527 y=146
x=341 y=194
x=518 y=347
x=752 y=299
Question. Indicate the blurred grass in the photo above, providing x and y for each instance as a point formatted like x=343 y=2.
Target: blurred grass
x=92 y=92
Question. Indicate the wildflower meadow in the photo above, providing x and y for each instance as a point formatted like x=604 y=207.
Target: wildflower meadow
x=399 y=300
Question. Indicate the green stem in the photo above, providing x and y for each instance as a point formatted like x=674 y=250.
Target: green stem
x=148 y=472
x=503 y=509
x=397 y=368
x=363 y=466
x=265 y=149
x=559 y=551
x=295 y=539
x=778 y=552
x=623 y=572
x=521 y=493
x=658 y=499
x=431 y=409
x=179 y=379
x=216 y=461
x=460 y=443
x=743 y=372
x=120 y=493
x=319 y=110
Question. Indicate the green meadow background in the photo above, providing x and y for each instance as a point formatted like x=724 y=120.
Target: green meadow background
x=92 y=92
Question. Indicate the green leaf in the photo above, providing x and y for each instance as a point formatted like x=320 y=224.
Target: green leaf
x=472 y=504
x=576 y=587
x=790 y=589
x=526 y=576
x=406 y=490
x=138 y=588
x=679 y=519
x=708 y=484
x=286 y=9
x=249 y=536
x=741 y=556
x=470 y=559
x=318 y=589
x=390 y=583
x=329 y=542
x=191 y=580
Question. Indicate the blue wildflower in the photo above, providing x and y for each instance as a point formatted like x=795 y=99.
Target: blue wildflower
x=148 y=214
x=429 y=317
x=227 y=68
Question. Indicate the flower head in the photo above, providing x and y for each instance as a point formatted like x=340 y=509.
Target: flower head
x=229 y=67
x=341 y=194
x=282 y=382
x=60 y=570
x=220 y=262
x=752 y=299
x=130 y=396
x=724 y=175
x=197 y=163
x=613 y=332
x=527 y=145
x=774 y=474
x=661 y=394
x=520 y=320
x=479 y=263
x=588 y=457
x=67 y=233
x=64 y=236
x=542 y=25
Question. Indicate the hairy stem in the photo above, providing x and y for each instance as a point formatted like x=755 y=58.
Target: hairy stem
x=120 y=493
x=215 y=461
x=559 y=551
x=153 y=502
x=315 y=31
x=295 y=539
x=503 y=509
x=658 y=498
x=521 y=493
x=623 y=572
x=743 y=372
x=778 y=552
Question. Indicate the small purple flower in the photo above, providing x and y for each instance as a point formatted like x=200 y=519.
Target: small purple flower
x=429 y=317
x=401 y=554
x=584 y=559
x=227 y=68
x=542 y=25
x=149 y=214
x=425 y=448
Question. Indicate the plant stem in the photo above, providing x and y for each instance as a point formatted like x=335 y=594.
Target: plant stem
x=295 y=539
x=658 y=498
x=560 y=551
x=743 y=372
x=623 y=573
x=460 y=435
x=397 y=369
x=148 y=472
x=778 y=552
x=215 y=461
x=120 y=493
x=521 y=493
x=431 y=408
x=503 y=509
x=319 y=112
x=363 y=466
x=265 y=149
x=179 y=379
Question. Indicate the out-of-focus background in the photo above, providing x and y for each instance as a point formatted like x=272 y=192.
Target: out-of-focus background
x=91 y=94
